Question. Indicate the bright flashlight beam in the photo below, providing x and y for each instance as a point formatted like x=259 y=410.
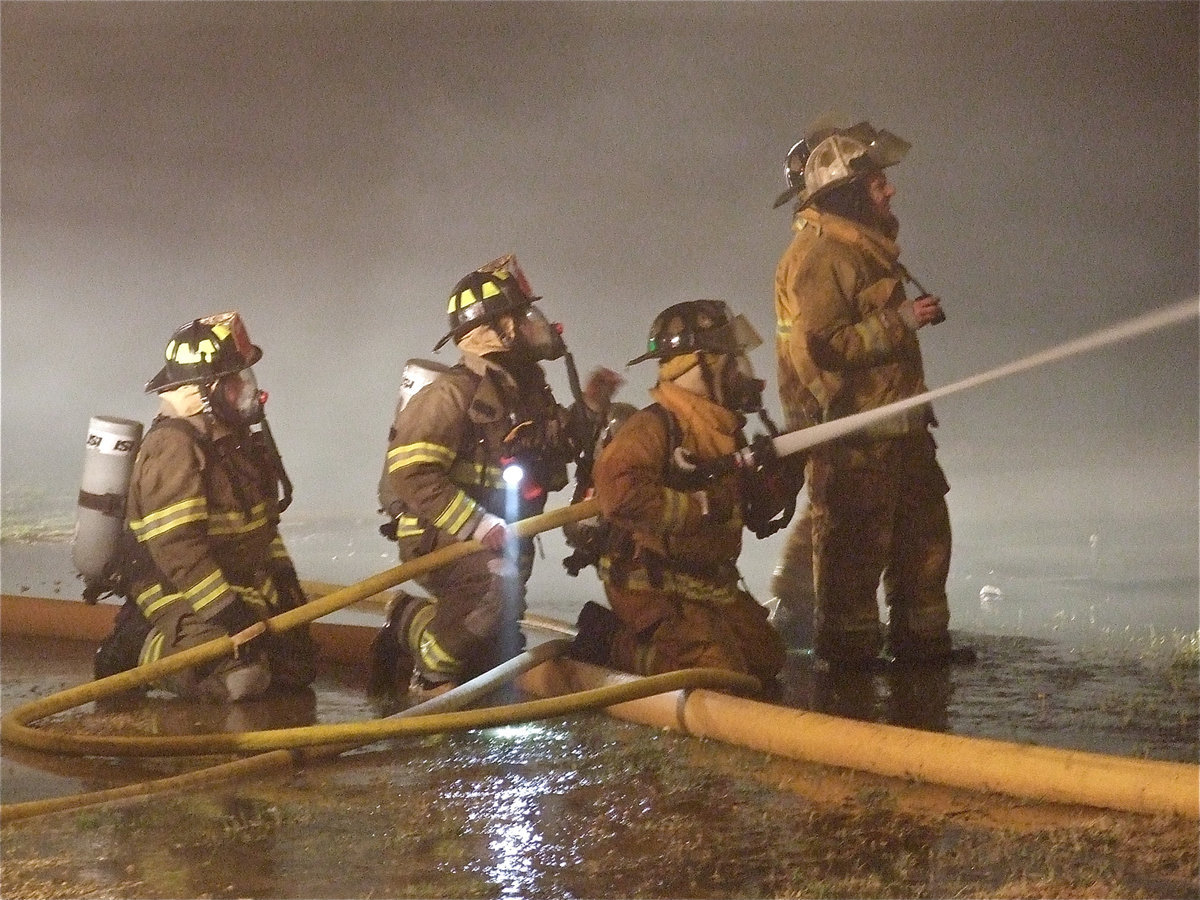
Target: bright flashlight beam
x=795 y=441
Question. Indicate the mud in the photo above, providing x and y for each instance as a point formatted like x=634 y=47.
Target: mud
x=592 y=807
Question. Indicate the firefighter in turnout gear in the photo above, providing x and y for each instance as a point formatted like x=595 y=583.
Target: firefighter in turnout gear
x=479 y=446
x=670 y=574
x=847 y=343
x=203 y=556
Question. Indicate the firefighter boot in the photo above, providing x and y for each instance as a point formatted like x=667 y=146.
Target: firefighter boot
x=596 y=628
x=391 y=654
x=119 y=651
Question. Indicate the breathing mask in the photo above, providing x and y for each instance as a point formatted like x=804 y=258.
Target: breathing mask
x=236 y=399
x=536 y=335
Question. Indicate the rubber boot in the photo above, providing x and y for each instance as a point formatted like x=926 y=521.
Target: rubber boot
x=391 y=656
x=596 y=627
x=119 y=651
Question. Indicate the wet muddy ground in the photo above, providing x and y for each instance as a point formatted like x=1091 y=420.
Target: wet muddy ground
x=589 y=806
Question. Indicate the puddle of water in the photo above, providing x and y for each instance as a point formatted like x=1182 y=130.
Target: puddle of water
x=580 y=807
x=590 y=806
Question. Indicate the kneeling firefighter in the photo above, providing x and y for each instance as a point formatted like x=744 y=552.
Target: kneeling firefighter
x=475 y=447
x=670 y=567
x=202 y=556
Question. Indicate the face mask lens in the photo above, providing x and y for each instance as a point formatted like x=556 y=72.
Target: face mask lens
x=240 y=395
x=744 y=389
x=539 y=335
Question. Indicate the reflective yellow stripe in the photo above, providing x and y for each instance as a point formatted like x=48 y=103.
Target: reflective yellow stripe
x=194 y=509
x=236 y=522
x=152 y=649
x=207 y=590
x=152 y=600
x=278 y=550
x=408 y=526
x=435 y=658
x=466 y=472
x=456 y=514
x=783 y=328
x=874 y=335
x=675 y=507
x=679 y=584
x=420 y=452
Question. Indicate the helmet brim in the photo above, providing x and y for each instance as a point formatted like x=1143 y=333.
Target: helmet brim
x=787 y=195
x=463 y=330
x=162 y=381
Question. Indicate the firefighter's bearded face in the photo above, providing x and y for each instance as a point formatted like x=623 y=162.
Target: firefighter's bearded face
x=236 y=399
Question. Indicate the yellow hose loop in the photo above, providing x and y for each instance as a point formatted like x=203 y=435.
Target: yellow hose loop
x=12 y=726
x=278 y=759
x=381 y=729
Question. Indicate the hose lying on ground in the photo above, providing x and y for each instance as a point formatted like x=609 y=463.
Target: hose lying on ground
x=436 y=715
x=280 y=747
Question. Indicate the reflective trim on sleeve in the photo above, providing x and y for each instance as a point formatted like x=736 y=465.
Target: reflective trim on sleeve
x=208 y=589
x=150 y=526
x=873 y=334
x=154 y=600
x=415 y=454
x=409 y=526
x=456 y=514
x=152 y=649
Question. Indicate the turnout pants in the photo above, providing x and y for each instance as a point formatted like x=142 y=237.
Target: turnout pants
x=663 y=631
x=478 y=603
x=879 y=511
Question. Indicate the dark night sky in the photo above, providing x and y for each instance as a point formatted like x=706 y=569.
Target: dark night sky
x=331 y=169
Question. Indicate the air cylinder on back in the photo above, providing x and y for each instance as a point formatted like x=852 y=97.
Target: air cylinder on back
x=112 y=445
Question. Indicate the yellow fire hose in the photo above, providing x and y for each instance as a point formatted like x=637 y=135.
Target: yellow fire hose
x=1149 y=787
x=286 y=746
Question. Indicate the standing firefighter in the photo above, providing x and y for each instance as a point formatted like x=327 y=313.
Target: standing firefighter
x=204 y=558
x=670 y=566
x=478 y=447
x=848 y=342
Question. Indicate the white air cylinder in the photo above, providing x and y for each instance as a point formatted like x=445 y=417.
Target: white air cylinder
x=112 y=445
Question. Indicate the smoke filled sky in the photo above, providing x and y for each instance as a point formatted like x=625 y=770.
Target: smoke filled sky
x=331 y=169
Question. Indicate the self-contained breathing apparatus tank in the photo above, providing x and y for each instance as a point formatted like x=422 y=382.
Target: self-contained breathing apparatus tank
x=112 y=445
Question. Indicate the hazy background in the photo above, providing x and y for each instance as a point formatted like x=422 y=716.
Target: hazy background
x=331 y=169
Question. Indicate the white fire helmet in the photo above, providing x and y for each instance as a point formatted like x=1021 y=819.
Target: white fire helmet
x=845 y=155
